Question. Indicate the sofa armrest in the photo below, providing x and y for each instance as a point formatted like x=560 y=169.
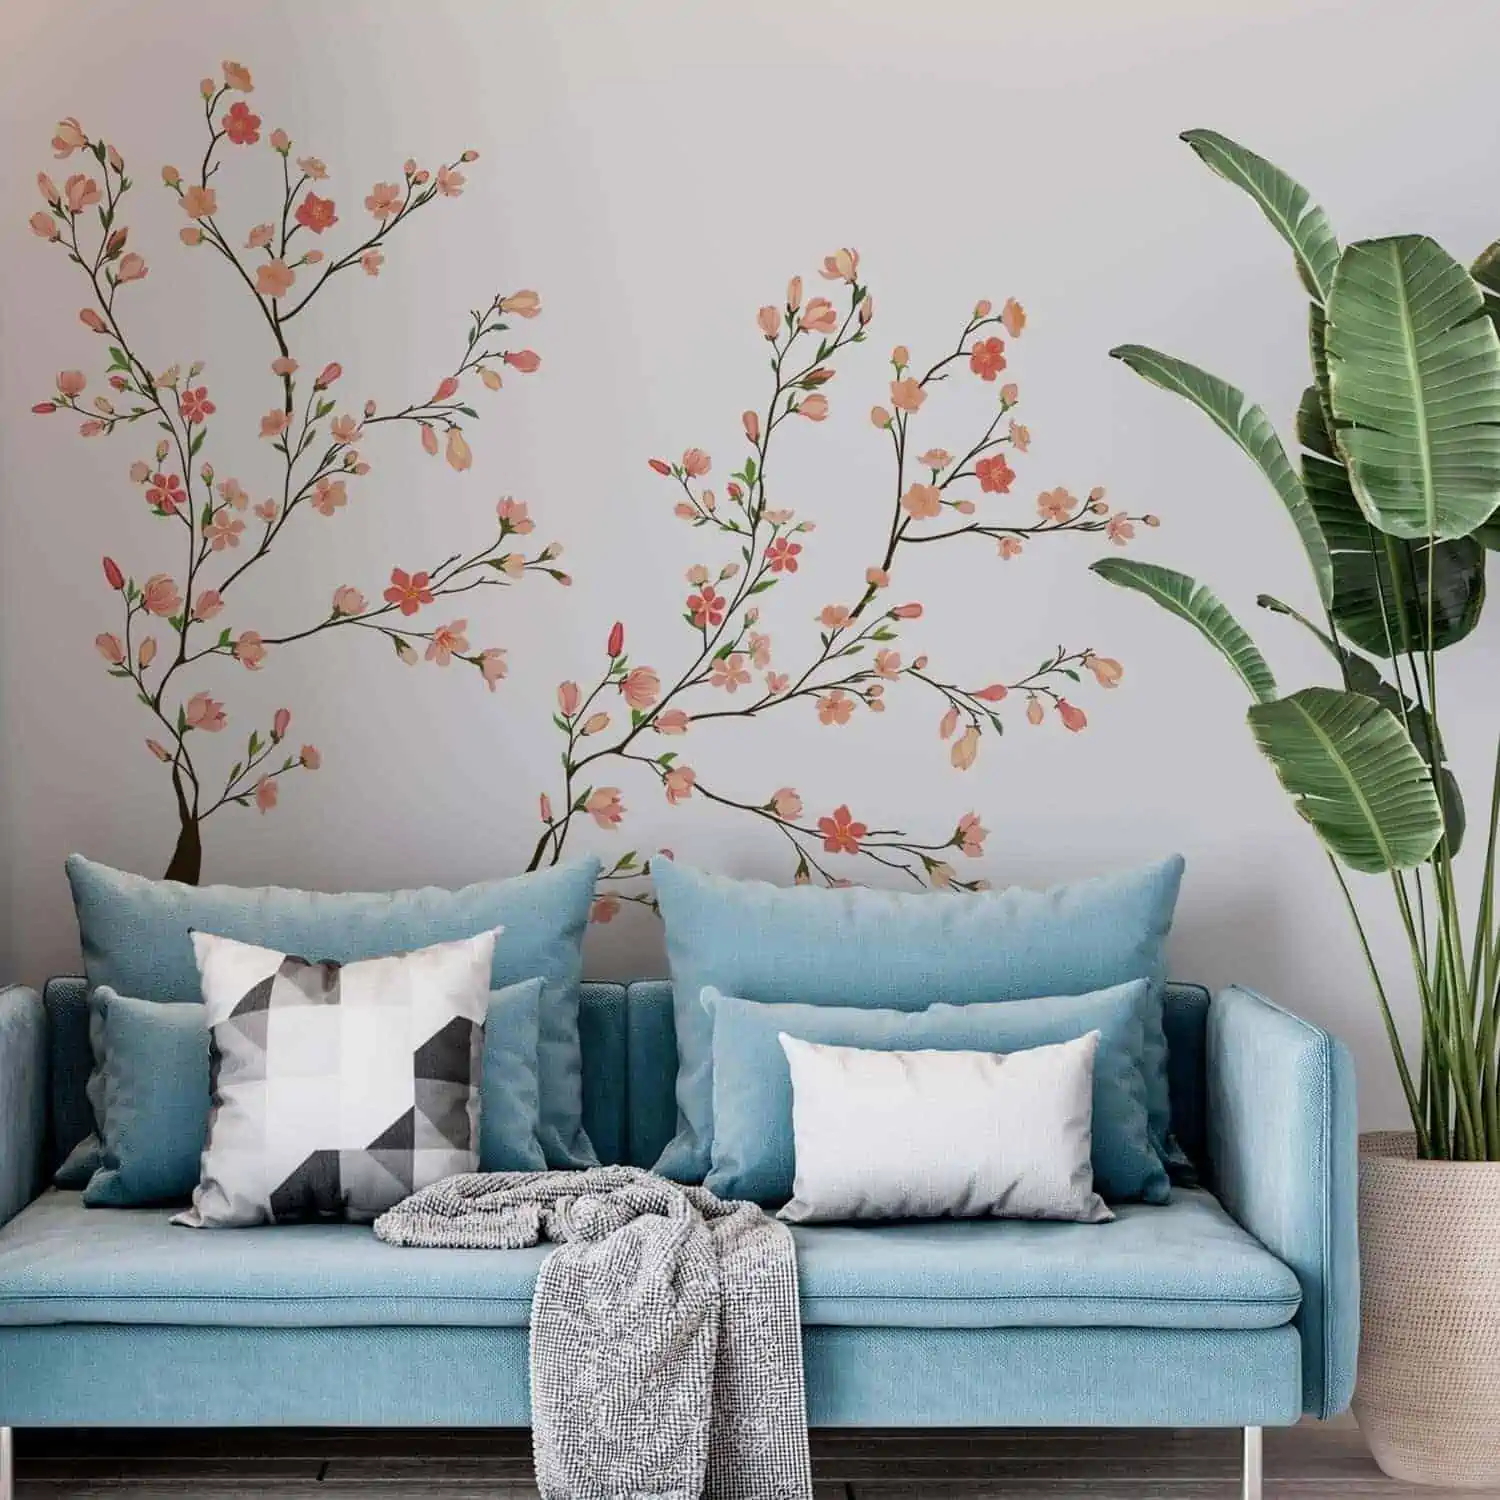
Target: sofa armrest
x=1283 y=1152
x=23 y=1097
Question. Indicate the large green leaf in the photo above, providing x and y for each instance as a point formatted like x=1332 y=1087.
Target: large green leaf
x=1361 y=675
x=1380 y=582
x=1354 y=775
x=1251 y=429
x=1486 y=271
x=1414 y=387
x=1191 y=601
x=1287 y=204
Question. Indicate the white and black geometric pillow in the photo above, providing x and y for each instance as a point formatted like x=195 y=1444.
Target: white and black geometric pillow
x=337 y=1089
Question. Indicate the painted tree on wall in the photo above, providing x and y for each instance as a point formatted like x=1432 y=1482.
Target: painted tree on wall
x=172 y=633
x=853 y=660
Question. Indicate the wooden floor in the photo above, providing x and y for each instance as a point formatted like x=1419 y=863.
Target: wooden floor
x=1304 y=1462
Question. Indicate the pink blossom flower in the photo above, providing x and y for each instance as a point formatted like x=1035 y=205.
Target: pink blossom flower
x=671 y=721
x=906 y=395
x=768 y=320
x=965 y=749
x=786 y=804
x=1009 y=547
x=907 y=612
x=948 y=723
x=888 y=664
x=729 y=672
x=196 y=407
x=1107 y=671
x=409 y=591
x=841 y=834
x=794 y=293
x=446 y=641
x=237 y=76
x=329 y=495
x=384 y=200
x=569 y=699
x=819 y=316
x=160 y=596
x=159 y=750
x=80 y=192
x=493 y=667
x=514 y=515
x=208 y=603
x=678 y=784
x=750 y=421
x=405 y=654
x=344 y=428
x=604 y=806
x=922 y=501
x=312 y=168
x=1020 y=437
x=1073 y=718
x=842 y=265
x=777 y=682
x=112 y=574
x=605 y=909
x=110 y=648
x=249 y=650
x=1055 y=505
x=994 y=474
x=814 y=407
x=459 y=454
x=266 y=793
x=92 y=321
x=971 y=834
x=347 y=600
x=1119 y=528
x=132 y=267
x=311 y=758
x=1013 y=316
x=316 y=213
x=696 y=463
x=281 y=721
x=223 y=530
x=274 y=423
x=68 y=138
x=203 y=712
x=706 y=607
x=200 y=202
x=641 y=687
x=527 y=361
x=936 y=458
x=44 y=226
x=834 y=616
x=595 y=724
x=240 y=125
x=371 y=262
x=523 y=304
x=266 y=510
x=281 y=141
x=274 y=278
x=782 y=554
x=758 y=648
x=71 y=383
x=836 y=707
x=450 y=183
x=987 y=358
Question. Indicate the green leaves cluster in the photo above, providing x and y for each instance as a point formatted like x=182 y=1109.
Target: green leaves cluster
x=1394 y=498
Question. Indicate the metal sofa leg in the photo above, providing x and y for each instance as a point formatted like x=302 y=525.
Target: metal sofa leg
x=7 y=1464
x=1251 y=1474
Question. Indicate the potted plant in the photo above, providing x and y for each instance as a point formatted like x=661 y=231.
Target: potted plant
x=1392 y=496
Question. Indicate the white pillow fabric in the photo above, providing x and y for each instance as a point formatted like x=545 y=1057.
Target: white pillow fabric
x=926 y=1135
x=337 y=1089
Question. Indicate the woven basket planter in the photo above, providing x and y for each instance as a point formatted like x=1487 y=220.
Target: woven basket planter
x=1428 y=1396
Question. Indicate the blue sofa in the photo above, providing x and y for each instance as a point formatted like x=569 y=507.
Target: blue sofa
x=1236 y=1305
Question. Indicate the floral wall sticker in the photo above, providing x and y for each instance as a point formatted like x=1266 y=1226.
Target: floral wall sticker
x=751 y=653
x=171 y=642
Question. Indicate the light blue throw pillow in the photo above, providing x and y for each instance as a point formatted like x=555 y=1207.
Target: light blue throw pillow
x=754 y=1154
x=135 y=936
x=901 y=951
x=156 y=1094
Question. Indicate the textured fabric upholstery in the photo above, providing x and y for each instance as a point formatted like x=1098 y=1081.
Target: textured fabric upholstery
x=651 y=1047
x=69 y=1060
x=606 y=1071
x=1284 y=1155
x=1187 y=1265
x=23 y=1096
x=456 y=1377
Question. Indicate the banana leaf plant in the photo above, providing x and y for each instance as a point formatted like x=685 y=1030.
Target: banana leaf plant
x=1393 y=495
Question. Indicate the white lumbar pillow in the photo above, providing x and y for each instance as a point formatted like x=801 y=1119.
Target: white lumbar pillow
x=926 y=1135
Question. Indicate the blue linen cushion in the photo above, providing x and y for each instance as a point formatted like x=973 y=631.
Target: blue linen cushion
x=754 y=1155
x=902 y=951
x=156 y=1094
x=135 y=936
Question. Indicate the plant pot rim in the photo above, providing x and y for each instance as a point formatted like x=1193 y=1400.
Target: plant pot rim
x=1401 y=1146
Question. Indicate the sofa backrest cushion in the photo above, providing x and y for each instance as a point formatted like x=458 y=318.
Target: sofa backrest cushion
x=629 y=1067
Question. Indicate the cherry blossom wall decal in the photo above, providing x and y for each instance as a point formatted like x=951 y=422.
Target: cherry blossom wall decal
x=172 y=637
x=640 y=718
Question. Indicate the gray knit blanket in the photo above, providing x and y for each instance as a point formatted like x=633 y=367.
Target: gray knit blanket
x=666 y=1349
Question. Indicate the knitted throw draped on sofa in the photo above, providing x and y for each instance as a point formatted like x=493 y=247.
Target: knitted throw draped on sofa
x=666 y=1350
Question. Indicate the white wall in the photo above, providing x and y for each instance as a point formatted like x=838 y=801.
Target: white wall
x=657 y=171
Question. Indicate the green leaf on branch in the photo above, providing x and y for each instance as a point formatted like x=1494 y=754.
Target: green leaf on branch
x=1354 y=774
x=1191 y=601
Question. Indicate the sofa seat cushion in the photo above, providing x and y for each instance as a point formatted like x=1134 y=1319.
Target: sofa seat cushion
x=1185 y=1265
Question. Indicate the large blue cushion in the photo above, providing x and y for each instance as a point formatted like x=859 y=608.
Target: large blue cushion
x=156 y=1094
x=135 y=939
x=754 y=1151
x=1185 y=1265
x=900 y=951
